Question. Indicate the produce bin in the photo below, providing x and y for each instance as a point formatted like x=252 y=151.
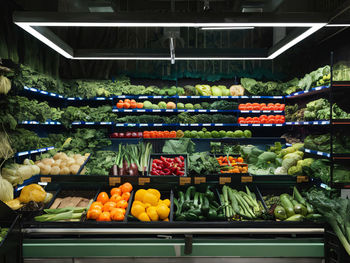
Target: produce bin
x=11 y=244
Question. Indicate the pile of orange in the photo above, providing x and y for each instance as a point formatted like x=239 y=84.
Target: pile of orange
x=112 y=208
x=129 y=104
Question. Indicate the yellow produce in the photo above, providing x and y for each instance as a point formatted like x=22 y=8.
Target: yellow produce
x=144 y=217
x=166 y=202
x=166 y=219
x=152 y=213
x=14 y=204
x=137 y=209
x=163 y=211
x=150 y=198
x=138 y=203
x=140 y=194
x=155 y=192
x=34 y=192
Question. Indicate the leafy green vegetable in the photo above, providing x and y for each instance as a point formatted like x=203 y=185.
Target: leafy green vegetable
x=101 y=162
x=204 y=164
x=181 y=146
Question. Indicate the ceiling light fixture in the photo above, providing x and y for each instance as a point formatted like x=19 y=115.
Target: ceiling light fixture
x=337 y=25
x=36 y=25
x=228 y=28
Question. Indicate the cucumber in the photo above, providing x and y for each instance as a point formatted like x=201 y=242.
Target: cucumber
x=299 y=208
x=298 y=196
x=287 y=205
x=314 y=217
x=297 y=217
x=280 y=213
x=310 y=209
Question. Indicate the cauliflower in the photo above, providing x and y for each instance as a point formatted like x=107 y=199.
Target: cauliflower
x=280 y=171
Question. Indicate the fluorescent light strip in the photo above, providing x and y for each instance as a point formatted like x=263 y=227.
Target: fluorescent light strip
x=228 y=28
x=155 y=24
x=221 y=58
x=122 y=58
x=337 y=25
x=296 y=40
x=46 y=41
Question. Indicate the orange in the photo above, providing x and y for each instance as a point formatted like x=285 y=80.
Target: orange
x=117 y=214
x=122 y=204
x=102 y=197
x=115 y=198
x=93 y=213
x=109 y=206
x=96 y=205
x=104 y=216
x=126 y=196
x=127 y=187
x=116 y=190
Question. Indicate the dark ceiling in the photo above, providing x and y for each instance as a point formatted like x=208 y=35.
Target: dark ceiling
x=134 y=38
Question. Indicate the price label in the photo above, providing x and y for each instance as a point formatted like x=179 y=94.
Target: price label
x=184 y=180
x=247 y=179
x=45 y=179
x=114 y=180
x=302 y=179
x=143 y=181
x=199 y=180
x=225 y=180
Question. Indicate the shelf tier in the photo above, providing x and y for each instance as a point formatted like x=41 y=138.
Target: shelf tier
x=323 y=122
x=310 y=92
x=34 y=151
x=319 y=153
x=195 y=111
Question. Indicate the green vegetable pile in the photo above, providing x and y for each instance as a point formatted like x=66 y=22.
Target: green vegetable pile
x=320 y=168
x=3 y=233
x=198 y=206
x=318 y=77
x=181 y=146
x=336 y=212
x=203 y=164
x=101 y=162
x=341 y=143
x=315 y=110
x=204 y=133
x=86 y=113
x=294 y=208
x=239 y=204
x=62 y=214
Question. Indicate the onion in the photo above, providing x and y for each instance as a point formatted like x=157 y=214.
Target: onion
x=63 y=156
x=74 y=169
x=55 y=170
x=48 y=161
x=70 y=161
x=80 y=161
x=64 y=171
x=63 y=164
x=57 y=163
x=45 y=170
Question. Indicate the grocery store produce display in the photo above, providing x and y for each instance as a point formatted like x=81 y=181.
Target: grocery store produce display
x=192 y=173
x=3 y=233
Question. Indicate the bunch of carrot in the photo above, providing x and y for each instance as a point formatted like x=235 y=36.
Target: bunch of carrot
x=232 y=165
x=129 y=104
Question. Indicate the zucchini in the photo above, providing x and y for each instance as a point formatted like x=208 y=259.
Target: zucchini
x=298 y=196
x=280 y=213
x=297 y=217
x=314 y=217
x=310 y=209
x=287 y=205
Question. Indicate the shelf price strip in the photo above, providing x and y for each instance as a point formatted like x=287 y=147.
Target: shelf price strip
x=34 y=151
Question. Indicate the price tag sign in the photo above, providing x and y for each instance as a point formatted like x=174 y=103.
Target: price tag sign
x=247 y=179
x=184 y=180
x=225 y=180
x=45 y=179
x=302 y=179
x=113 y=181
x=143 y=181
x=199 y=180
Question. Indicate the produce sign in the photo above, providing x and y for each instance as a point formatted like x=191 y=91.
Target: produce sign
x=168 y=166
x=230 y=164
x=263 y=119
x=148 y=206
x=111 y=208
x=193 y=205
x=261 y=107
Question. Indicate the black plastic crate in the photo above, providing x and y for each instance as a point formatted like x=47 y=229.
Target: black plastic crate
x=11 y=245
x=334 y=251
x=157 y=156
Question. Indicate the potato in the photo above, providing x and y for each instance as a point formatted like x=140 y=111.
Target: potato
x=45 y=170
x=57 y=163
x=76 y=156
x=48 y=161
x=55 y=170
x=74 y=169
x=63 y=156
x=64 y=171
x=57 y=156
x=80 y=161
x=83 y=171
x=35 y=169
x=70 y=161
x=40 y=164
